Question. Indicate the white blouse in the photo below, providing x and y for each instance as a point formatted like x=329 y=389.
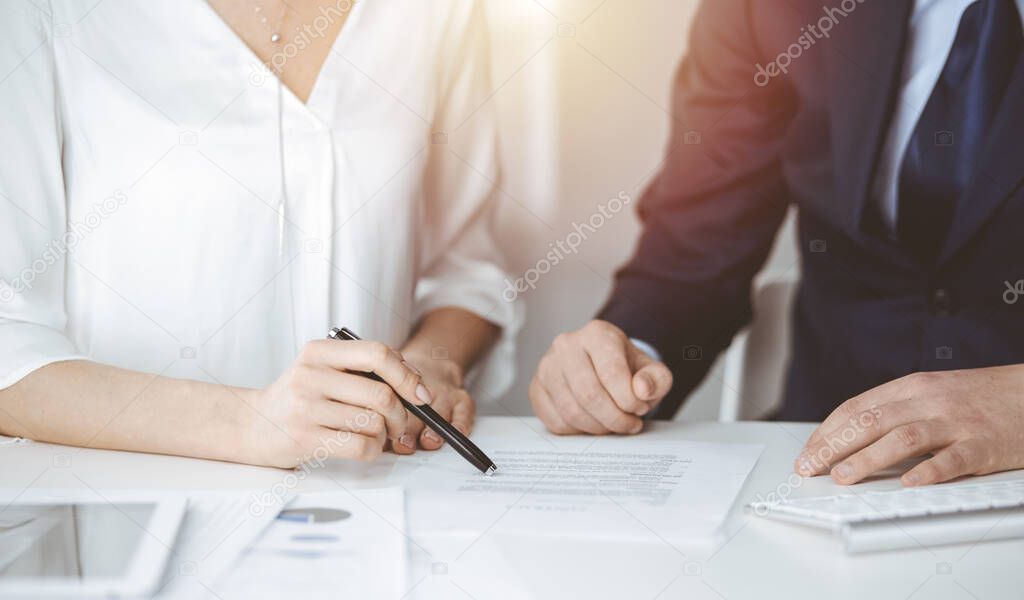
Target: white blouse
x=141 y=214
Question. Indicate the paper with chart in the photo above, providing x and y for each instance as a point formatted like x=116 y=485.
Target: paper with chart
x=600 y=487
x=337 y=544
x=218 y=528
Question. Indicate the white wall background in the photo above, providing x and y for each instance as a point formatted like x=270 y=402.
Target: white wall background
x=582 y=88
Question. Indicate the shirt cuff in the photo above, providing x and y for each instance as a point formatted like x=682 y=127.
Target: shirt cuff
x=494 y=373
x=646 y=349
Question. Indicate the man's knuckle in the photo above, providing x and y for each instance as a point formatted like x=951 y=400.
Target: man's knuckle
x=845 y=412
x=988 y=462
x=921 y=383
x=623 y=423
x=928 y=471
x=628 y=403
x=534 y=391
x=590 y=397
x=873 y=420
x=859 y=463
x=612 y=334
x=557 y=425
x=910 y=437
x=610 y=370
x=914 y=378
x=547 y=369
x=960 y=457
x=573 y=413
x=614 y=354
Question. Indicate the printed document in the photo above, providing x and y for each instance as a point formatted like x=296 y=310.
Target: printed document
x=597 y=487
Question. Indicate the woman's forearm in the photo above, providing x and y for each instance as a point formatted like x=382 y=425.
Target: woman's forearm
x=82 y=403
x=452 y=334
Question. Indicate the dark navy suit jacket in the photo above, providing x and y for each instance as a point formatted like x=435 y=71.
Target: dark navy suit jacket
x=746 y=145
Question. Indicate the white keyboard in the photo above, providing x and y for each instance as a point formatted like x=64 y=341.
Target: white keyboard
x=903 y=518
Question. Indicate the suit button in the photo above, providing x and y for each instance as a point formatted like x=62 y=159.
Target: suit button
x=942 y=302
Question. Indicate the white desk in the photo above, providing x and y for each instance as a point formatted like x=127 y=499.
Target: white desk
x=763 y=559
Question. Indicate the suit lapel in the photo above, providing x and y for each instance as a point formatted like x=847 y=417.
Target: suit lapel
x=999 y=169
x=864 y=61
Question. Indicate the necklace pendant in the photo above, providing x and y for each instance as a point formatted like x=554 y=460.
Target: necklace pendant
x=275 y=38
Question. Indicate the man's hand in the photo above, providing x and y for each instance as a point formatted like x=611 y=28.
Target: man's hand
x=971 y=420
x=595 y=380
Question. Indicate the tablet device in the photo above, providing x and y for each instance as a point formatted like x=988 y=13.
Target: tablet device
x=85 y=543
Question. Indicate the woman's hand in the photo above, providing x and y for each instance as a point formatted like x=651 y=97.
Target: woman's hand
x=972 y=421
x=317 y=410
x=444 y=377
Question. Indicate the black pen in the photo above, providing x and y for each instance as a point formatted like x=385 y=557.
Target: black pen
x=429 y=416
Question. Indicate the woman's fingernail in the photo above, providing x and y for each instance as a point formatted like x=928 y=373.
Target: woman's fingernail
x=637 y=427
x=407 y=440
x=844 y=471
x=804 y=466
x=423 y=394
x=912 y=479
x=433 y=437
x=643 y=410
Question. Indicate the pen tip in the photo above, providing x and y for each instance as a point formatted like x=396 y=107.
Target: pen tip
x=490 y=470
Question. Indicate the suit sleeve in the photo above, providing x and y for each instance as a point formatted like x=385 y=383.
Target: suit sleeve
x=711 y=214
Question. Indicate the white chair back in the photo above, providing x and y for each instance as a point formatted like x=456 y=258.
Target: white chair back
x=756 y=362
